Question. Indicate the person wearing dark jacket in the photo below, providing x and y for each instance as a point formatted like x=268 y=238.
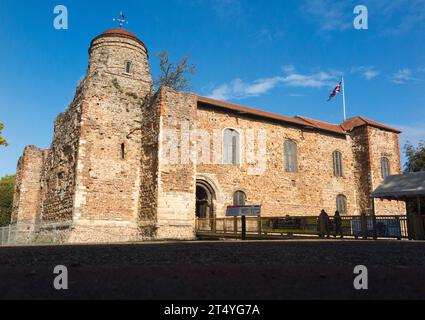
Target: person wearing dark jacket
x=338 y=224
x=323 y=224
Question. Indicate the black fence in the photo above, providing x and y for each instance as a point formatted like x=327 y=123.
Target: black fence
x=364 y=226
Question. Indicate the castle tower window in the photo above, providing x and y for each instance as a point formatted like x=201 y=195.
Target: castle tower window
x=337 y=162
x=290 y=156
x=231 y=147
x=128 y=67
x=341 y=203
x=385 y=167
x=239 y=198
x=122 y=151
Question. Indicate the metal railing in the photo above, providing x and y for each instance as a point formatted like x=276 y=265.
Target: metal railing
x=386 y=226
x=28 y=233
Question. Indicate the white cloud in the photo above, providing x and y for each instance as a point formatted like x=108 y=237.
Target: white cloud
x=288 y=68
x=328 y=14
x=367 y=73
x=402 y=76
x=238 y=89
x=391 y=17
x=317 y=80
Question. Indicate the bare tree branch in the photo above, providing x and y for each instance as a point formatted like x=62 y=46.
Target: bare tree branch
x=174 y=75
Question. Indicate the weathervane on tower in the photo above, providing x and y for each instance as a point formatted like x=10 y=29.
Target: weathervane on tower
x=121 y=20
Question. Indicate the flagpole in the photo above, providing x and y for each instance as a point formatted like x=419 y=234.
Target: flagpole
x=343 y=98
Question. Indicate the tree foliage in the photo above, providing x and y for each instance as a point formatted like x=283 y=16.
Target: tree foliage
x=174 y=75
x=415 y=157
x=7 y=185
x=3 y=141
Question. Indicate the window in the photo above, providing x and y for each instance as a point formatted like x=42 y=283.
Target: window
x=128 y=67
x=231 y=147
x=122 y=151
x=290 y=156
x=239 y=198
x=385 y=167
x=341 y=203
x=337 y=161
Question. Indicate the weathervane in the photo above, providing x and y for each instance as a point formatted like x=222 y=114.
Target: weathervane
x=121 y=21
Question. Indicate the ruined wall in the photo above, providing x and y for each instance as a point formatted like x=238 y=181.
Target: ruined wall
x=305 y=192
x=59 y=176
x=176 y=181
x=26 y=198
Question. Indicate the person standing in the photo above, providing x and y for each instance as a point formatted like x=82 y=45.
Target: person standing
x=338 y=224
x=323 y=224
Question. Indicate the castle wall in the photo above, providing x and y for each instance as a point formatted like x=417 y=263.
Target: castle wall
x=58 y=174
x=106 y=204
x=305 y=192
x=26 y=199
x=149 y=162
x=124 y=165
x=108 y=168
x=384 y=143
x=362 y=168
x=176 y=181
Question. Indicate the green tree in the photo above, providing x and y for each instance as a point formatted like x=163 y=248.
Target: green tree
x=415 y=157
x=7 y=185
x=174 y=75
x=3 y=141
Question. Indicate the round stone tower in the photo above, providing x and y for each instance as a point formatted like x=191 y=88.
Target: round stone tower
x=108 y=170
x=119 y=52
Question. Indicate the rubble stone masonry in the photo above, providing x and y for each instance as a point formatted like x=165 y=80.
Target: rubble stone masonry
x=108 y=171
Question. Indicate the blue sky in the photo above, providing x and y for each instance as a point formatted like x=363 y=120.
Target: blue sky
x=280 y=56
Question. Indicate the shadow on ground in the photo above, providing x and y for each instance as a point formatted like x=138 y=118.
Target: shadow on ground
x=217 y=270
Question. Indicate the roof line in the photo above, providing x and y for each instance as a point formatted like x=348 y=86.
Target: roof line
x=264 y=114
x=342 y=129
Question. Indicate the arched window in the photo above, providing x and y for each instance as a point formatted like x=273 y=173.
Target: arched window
x=239 y=198
x=231 y=142
x=385 y=167
x=341 y=203
x=290 y=156
x=128 y=67
x=337 y=162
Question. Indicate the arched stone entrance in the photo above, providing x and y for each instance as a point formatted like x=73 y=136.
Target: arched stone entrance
x=205 y=197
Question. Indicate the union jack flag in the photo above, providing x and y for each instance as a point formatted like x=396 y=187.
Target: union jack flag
x=335 y=91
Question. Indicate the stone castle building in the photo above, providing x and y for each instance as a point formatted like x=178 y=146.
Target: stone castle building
x=114 y=172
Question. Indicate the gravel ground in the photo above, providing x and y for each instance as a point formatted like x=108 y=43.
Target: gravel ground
x=291 y=269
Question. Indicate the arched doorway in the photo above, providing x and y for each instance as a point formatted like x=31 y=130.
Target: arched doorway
x=205 y=197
